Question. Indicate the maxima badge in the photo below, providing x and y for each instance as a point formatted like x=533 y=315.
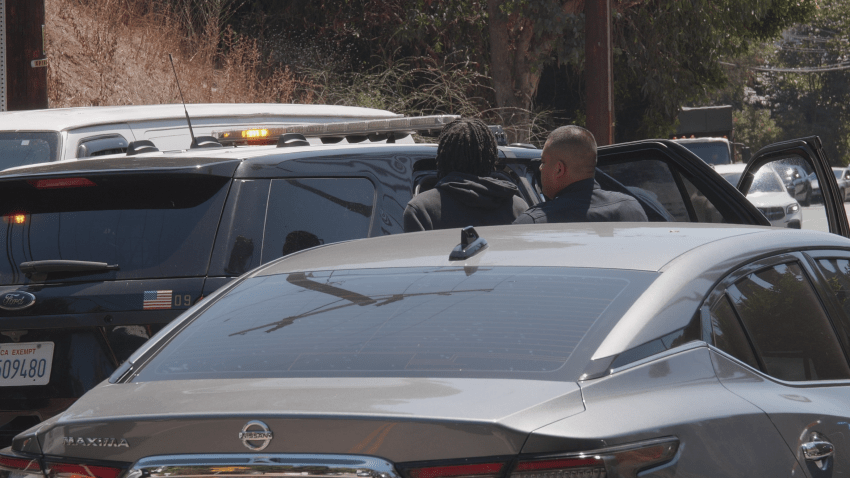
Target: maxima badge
x=16 y=300
x=253 y=432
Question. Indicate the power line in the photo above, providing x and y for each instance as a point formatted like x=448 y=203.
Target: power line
x=802 y=70
x=845 y=66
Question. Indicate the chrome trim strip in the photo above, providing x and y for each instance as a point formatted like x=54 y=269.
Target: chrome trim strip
x=255 y=466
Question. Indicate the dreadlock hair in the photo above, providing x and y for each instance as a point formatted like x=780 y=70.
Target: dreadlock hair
x=466 y=146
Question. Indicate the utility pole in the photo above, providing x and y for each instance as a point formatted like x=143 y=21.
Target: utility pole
x=23 y=66
x=599 y=78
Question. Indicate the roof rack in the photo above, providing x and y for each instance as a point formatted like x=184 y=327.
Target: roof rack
x=389 y=129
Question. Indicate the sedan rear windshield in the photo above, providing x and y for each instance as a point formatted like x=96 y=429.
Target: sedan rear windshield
x=150 y=226
x=407 y=322
x=24 y=148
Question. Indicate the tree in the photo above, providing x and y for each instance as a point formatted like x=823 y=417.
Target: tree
x=667 y=51
x=806 y=82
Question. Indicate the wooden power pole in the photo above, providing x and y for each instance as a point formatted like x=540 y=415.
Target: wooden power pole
x=23 y=76
x=599 y=78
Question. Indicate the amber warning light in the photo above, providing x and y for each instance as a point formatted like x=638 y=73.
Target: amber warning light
x=15 y=218
x=255 y=133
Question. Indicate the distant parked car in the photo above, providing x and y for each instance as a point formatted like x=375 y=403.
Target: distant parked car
x=768 y=194
x=841 y=178
x=797 y=182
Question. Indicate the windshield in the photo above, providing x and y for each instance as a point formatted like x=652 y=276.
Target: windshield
x=149 y=225
x=711 y=153
x=21 y=149
x=837 y=173
x=512 y=322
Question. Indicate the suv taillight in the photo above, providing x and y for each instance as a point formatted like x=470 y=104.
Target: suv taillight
x=615 y=462
x=19 y=466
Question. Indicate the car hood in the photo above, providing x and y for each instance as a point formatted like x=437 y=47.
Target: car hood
x=779 y=199
x=457 y=417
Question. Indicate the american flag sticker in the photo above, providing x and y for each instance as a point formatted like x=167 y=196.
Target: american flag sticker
x=156 y=299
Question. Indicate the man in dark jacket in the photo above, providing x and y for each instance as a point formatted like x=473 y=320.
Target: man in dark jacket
x=465 y=194
x=567 y=170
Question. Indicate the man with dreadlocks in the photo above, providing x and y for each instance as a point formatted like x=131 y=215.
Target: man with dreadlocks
x=466 y=194
x=567 y=170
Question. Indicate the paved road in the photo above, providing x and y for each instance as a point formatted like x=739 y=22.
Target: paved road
x=814 y=217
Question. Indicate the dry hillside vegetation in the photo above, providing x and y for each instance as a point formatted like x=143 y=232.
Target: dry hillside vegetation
x=115 y=52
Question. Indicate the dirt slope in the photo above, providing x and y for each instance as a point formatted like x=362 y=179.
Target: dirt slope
x=115 y=52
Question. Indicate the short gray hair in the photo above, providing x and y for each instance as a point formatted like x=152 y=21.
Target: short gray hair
x=576 y=143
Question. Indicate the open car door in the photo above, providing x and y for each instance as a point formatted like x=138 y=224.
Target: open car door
x=791 y=163
x=673 y=184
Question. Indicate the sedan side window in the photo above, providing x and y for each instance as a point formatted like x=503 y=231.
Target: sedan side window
x=837 y=274
x=791 y=334
x=727 y=334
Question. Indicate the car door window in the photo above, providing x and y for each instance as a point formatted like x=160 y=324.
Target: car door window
x=727 y=334
x=783 y=318
x=817 y=196
x=653 y=178
x=836 y=271
x=307 y=212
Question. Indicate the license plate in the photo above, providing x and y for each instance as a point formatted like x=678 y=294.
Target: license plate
x=25 y=364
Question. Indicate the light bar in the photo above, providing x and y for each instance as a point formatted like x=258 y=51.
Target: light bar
x=260 y=134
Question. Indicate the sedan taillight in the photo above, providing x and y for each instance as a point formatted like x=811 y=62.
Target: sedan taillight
x=615 y=462
x=78 y=470
x=591 y=467
x=19 y=466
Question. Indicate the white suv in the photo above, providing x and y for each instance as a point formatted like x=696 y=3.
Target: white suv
x=38 y=136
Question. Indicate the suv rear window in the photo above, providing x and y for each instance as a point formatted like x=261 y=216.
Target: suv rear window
x=151 y=226
x=21 y=149
x=512 y=322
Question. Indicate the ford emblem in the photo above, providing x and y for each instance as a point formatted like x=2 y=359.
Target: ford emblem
x=16 y=300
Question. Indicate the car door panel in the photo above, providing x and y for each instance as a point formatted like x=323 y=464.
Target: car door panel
x=810 y=151
x=796 y=411
x=690 y=190
x=808 y=396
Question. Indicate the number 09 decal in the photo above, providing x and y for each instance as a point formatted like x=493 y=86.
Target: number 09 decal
x=182 y=300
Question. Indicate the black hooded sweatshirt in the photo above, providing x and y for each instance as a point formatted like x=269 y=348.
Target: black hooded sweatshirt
x=460 y=200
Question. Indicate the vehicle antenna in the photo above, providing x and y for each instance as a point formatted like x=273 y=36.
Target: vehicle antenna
x=191 y=133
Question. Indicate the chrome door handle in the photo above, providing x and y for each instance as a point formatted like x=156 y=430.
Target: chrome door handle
x=817 y=450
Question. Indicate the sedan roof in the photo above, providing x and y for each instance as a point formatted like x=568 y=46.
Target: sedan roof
x=633 y=246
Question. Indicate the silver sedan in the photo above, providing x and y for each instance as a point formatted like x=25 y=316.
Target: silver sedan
x=588 y=350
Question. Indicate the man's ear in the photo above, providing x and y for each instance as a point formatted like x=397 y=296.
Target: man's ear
x=560 y=169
